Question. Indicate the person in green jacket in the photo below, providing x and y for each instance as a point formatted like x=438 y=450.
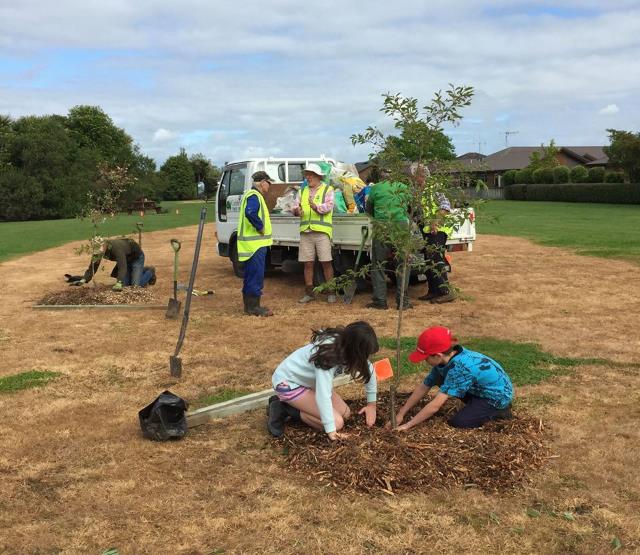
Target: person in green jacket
x=387 y=203
x=129 y=269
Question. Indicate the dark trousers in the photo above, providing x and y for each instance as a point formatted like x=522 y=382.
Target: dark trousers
x=437 y=280
x=254 y=273
x=476 y=412
x=380 y=252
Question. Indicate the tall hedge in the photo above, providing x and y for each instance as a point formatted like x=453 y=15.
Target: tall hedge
x=596 y=175
x=614 y=177
x=606 y=193
x=579 y=174
x=561 y=174
x=509 y=177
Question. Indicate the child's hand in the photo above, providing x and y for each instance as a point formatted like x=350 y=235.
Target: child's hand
x=369 y=411
x=335 y=436
x=399 y=419
x=404 y=428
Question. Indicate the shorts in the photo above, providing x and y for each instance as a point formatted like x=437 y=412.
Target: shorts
x=312 y=243
x=287 y=392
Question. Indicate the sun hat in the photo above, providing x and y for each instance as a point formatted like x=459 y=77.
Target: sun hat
x=261 y=176
x=433 y=340
x=314 y=168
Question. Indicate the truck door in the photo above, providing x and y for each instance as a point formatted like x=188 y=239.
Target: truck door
x=237 y=184
x=223 y=193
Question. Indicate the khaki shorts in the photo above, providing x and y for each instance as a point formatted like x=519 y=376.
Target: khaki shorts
x=312 y=243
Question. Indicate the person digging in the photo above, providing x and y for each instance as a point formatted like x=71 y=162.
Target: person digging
x=254 y=238
x=129 y=269
x=479 y=381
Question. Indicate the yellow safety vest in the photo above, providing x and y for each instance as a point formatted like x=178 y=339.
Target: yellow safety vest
x=310 y=219
x=249 y=240
x=430 y=209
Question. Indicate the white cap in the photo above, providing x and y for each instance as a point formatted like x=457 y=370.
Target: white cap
x=313 y=168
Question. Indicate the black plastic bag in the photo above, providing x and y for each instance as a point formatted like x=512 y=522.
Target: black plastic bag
x=164 y=418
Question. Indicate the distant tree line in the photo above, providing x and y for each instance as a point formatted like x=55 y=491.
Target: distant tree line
x=50 y=164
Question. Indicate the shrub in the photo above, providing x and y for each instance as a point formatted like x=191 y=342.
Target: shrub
x=614 y=177
x=509 y=177
x=579 y=174
x=527 y=175
x=537 y=176
x=596 y=175
x=608 y=193
x=561 y=174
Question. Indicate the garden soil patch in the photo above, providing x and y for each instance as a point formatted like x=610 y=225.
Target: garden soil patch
x=77 y=477
x=500 y=456
x=99 y=294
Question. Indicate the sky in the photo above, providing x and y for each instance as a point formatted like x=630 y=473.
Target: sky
x=284 y=78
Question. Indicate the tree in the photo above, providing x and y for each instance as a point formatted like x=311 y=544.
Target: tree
x=624 y=152
x=422 y=126
x=206 y=172
x=180 y=177
x=548 y=158
x=416 y=136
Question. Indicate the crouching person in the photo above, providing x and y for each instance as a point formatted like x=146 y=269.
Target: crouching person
x=304 y=380
x=481 y=383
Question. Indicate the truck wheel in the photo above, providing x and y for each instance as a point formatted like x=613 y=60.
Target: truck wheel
x=238 y=267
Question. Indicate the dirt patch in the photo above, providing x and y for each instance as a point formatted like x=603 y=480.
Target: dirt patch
x=99 y=294
x=500 y=456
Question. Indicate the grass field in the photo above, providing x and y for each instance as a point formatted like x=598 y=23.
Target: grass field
x=604 y=230
x=17 y=238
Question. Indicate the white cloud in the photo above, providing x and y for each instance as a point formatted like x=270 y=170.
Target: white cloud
x=609 y=109
x=162 y=135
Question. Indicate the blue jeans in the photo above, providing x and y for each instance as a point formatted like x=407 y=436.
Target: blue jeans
x=254 y=273
x=136 y=274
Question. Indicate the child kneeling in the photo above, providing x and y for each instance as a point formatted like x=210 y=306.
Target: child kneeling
x=304 y=380
x=481 y=383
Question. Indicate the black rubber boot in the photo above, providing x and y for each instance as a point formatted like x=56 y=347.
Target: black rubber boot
x=254 y=308
x=292 y=412
x=244 y=303
x=276 y=418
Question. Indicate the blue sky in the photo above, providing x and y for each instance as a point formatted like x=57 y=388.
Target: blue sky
x=270 y=78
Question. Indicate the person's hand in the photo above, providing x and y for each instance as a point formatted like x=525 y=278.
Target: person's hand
x=404 y=428
x=118 y=286
x=335 y=436
x=434 y=227
x=369 y=411
x=261 y=231
x=80 y=281
x=313 y=206
x=399 y=419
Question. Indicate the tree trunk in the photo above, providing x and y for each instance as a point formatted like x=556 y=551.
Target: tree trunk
x=396 y=378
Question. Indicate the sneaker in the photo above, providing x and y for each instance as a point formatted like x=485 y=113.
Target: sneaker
x=427 y=297
x=331 y=299
x=504 y=414
x=277 y=415
x=308 y=295
x=377 y=306
x=152 y=281
x=440 y=299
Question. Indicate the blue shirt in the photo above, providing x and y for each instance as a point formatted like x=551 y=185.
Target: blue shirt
x=475 y=374
x=251 y=211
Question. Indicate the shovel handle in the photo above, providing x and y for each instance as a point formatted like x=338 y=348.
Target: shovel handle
x=175 y=245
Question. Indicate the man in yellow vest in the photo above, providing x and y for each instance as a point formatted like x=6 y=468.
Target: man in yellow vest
x=315 y=209
x=436 y=230
x=254 y=237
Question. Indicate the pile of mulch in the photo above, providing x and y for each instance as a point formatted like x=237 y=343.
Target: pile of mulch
x=500 y=456
x=99 y=294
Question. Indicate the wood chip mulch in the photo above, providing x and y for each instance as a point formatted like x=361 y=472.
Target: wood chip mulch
x=500 y=456
x=99 y=294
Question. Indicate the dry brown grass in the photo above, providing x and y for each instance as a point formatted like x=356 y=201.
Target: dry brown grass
x=76 y=477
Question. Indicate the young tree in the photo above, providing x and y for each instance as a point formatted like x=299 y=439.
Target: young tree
x=548 y=158
x=424 y=128
x=624 y=152
x=415 y=136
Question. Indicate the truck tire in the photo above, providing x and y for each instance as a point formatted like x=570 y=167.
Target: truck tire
x=238 y=267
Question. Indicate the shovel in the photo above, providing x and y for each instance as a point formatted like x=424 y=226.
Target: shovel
x=173 y=310
x=175 y=362
x=139 y=225
x=350 y=290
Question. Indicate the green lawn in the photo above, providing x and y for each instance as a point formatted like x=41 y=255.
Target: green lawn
x=17 y=238
x=605 y=230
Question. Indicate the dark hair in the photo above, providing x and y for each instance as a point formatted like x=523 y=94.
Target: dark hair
x=348 y=347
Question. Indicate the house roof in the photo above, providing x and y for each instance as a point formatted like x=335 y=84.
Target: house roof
x=518 y=157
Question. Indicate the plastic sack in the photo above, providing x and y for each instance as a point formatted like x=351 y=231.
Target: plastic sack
x=339 y=204
x=164 y=418
x=286 y=202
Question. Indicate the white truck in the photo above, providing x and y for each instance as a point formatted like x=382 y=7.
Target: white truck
x=286 y=172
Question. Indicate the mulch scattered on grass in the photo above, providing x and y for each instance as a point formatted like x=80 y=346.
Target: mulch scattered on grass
x=500 y=456
x=99 y=294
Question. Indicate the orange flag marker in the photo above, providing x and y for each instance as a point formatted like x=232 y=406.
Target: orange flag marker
x=383 y=369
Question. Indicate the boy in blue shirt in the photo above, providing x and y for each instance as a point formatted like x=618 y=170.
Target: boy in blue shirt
x=479 y=381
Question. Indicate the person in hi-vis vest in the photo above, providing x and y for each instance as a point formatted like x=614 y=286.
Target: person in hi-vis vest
x=254 y=237
x=315 y=208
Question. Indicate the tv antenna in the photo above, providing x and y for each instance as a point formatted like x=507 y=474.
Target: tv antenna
x=506 y=137
x=480 y=144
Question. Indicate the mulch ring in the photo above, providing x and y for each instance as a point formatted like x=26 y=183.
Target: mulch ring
x=99 y=294
x=500 y=456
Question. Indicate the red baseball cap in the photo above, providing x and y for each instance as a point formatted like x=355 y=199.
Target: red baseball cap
x=432 y=341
